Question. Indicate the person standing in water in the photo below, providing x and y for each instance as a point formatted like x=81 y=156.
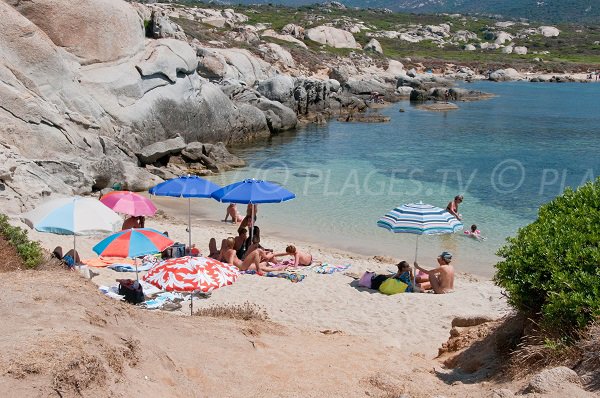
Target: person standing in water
x=452 y=207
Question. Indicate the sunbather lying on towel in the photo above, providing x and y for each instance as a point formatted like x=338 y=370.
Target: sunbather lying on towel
x=251 y=262
x=300 y=258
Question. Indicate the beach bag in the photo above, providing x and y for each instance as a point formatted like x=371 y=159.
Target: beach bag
x=131 y=291
x=178 y=250
x=392 y=286
x=365 y=280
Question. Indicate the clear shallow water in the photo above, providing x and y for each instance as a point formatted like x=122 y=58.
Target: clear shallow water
x=506 y=155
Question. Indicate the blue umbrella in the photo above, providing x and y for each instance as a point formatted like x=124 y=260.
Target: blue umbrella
x=420 y=219
x=252 y=191
x=189 y=186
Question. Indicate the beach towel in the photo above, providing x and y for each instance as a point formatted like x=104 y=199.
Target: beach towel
x=294 y=278
x=130 y=268
x=102 y=262
x=330 y=269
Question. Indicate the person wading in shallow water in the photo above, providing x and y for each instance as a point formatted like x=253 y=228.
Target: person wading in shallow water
x=452 y=207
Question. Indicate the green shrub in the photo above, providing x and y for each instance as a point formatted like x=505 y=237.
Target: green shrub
x=30 y=252
x=551 y=268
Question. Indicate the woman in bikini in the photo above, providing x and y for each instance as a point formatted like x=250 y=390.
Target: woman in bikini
x=251 y=262
x=452 y=207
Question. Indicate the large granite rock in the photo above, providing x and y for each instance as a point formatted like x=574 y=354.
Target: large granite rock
x=277 y=88
x=92 y=30
x=277 y=55
x=284 y=37
x=552 y=380
x=548 y=31
x=373 y=45
x=332 y=37
x=213 y=156
x=157 y=150
x=233 y=63
x=508 y=74
x=293 y=30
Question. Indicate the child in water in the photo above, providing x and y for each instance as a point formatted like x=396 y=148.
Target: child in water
x=475 y=233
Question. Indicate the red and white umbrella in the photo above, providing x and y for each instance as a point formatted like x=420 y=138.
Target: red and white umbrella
x=189 y=274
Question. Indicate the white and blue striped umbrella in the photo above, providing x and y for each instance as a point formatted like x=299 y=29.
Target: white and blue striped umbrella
x=420 y=219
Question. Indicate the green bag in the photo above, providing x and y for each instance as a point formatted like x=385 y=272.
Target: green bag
x=392 y=286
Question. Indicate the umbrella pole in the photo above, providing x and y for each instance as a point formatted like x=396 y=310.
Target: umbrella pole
x=415 y=268
x=136 y=271
x=190 y=224
x=251 y=223
x=192 y=303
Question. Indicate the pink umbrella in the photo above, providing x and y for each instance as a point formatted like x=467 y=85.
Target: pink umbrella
x=190 y=274
x=130 y=203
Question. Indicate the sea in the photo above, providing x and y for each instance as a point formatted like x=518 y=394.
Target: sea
x=506 y=155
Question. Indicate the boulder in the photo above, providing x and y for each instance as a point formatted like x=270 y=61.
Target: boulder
x=366 y=86
x=277 y=55
x=470 y=47
x=277 y=88
x=395 y=67
x=549 y=31
x=552 y=380
x=374 y=45
x=161 y=27
x=333 y=37
x=153 y=152
x=419 y=95
x=168 y=57
x=293 y=30
x=502 y=75
x=284 y=37
x=341 y=73
x=404 y=91
x=279 y=117
x=521 y=50
x=507 y=50
x=503 y=37
x=233 y=63
x=93 y=31
x=213 y=156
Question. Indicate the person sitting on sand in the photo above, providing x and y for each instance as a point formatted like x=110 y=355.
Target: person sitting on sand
x=70 y=258
x=240 y=240
x=441 y=279
x=251 y=262
x=474 y=233
x=403 y=274
x=452 y=207
x=132 y=222
x=233 y=212
x=215 y=253
x=301 y=259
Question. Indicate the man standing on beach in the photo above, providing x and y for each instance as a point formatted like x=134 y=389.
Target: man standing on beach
x=441 y=279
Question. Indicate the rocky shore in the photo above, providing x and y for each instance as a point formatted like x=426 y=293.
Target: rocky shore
x=165 y=89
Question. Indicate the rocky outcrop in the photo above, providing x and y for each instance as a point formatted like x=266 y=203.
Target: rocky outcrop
x=157 y=150
x=332 y=37
x=374 y=45
x=502 y=75
x=232 y=63
x=277 y=55
x=293 y=30
x=83 y=30
x=284 y=37
x=552 y=380
x=549 y=31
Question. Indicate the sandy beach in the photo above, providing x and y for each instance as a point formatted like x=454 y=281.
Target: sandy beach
x=415 y=323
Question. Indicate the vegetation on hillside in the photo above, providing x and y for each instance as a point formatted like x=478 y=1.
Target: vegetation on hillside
x=30 y=252
x=576 y=49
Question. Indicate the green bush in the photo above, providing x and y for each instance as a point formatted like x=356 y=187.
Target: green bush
x=30 y=252
x=551 y=269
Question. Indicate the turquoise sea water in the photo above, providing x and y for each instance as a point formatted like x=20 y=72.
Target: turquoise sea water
x=506 y=155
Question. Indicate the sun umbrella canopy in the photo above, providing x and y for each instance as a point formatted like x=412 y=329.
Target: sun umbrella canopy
x=185 y=187
x=189 y=274
x=253 y=191
x=133 y=243
x=73 y=216
x=420 y=219
x=130 y=203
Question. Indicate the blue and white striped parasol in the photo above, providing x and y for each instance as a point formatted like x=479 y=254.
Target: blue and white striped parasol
x=420 y=219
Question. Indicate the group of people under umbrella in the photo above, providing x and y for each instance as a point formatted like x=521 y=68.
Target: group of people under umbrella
x=79 y=216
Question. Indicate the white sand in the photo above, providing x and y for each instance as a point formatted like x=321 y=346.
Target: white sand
x=417 y=323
